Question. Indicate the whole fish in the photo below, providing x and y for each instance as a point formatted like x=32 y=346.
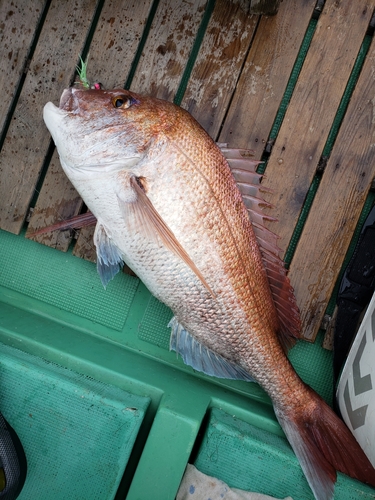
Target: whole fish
x=167 y=203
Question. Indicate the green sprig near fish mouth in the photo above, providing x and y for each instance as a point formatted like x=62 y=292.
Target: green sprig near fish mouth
x=82 y=75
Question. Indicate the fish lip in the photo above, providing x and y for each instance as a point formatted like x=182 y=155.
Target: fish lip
x=69 y=102
x=51 y=109
x=53 y=116
x=65 y=99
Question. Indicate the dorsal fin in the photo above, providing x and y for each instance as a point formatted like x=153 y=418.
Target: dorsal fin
x=249 y=183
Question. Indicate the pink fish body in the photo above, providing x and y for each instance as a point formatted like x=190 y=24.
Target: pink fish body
x=167 y=204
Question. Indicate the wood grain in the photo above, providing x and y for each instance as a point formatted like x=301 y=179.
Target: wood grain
x=51 y=70
x=116 y=40
x=168 y=47
x=219 y=63
x=111 y=54
x=337 y=205
x=265 y=76
x=57 y=201
x=85 y=248
x=309 y=117
x=263 y=6
x=18 y=22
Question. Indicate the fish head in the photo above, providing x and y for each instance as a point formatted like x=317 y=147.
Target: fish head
x=105 y=130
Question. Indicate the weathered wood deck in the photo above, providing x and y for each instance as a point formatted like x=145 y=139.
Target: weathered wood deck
x=297 y=88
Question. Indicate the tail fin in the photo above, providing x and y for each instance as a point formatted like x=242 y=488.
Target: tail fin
x=323 y=444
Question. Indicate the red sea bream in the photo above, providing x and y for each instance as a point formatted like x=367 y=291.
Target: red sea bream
x=167 y=204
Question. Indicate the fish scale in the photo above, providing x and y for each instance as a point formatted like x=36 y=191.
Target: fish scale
x=237 y=229
x=233 y=272
x=168 y=205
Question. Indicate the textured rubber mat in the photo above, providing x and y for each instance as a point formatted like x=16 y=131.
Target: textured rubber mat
x=42 y=273
x=77 y=433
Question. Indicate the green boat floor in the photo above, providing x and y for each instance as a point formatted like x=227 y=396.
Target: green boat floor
x=267 y=463
x=77 y=433
x=53 y=307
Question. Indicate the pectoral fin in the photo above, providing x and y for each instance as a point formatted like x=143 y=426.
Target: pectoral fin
x=148 y=220
x=109 y=259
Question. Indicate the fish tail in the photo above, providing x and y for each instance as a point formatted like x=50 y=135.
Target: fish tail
x=323 y=445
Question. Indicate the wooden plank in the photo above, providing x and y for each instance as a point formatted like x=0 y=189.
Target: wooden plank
x=330 y=330
x=265 y=76
x=116 y=40
x=218 y=65
x=309 y=117
x=269 y=7
x=51 y=69
x=168 y=47
x=337 y=205
x=57 y=202
x=18 y=22
x=111 y=54
x=85 y=248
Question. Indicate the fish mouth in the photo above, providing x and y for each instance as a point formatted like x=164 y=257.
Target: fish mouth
x=67 y=100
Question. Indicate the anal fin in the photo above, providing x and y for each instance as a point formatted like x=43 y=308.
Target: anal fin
x=201 y=358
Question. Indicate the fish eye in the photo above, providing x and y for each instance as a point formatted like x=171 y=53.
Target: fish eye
x=121 y=101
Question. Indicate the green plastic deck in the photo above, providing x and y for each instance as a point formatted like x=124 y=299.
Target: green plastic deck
x=64 y=420
x=267 y=462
